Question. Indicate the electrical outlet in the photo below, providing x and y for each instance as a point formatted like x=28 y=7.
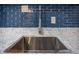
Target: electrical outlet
x=25 y=8
x=53 y=20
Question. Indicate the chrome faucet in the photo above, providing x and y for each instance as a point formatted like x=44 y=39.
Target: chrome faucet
x=40 y=30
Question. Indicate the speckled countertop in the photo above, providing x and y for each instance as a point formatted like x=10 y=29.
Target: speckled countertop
x=68 y=36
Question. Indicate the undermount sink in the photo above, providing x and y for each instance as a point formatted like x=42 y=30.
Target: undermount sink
x=37 y=45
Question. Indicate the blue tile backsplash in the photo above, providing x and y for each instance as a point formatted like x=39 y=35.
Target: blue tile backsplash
x=66 y=15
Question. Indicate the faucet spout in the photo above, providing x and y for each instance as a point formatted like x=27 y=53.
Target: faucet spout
x=40 y=30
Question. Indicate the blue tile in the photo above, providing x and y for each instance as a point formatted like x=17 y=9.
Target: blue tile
x=66 y=15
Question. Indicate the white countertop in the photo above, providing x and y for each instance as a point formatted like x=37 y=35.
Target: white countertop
x=68 y=36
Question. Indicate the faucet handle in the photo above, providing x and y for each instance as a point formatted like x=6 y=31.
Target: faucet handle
x=40 y=31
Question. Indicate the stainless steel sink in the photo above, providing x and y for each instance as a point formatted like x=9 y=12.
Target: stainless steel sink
x=38 y=45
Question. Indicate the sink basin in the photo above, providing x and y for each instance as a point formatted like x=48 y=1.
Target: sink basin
x=38 y=45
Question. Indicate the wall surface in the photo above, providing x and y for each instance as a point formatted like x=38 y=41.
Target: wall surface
x=66 y=16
